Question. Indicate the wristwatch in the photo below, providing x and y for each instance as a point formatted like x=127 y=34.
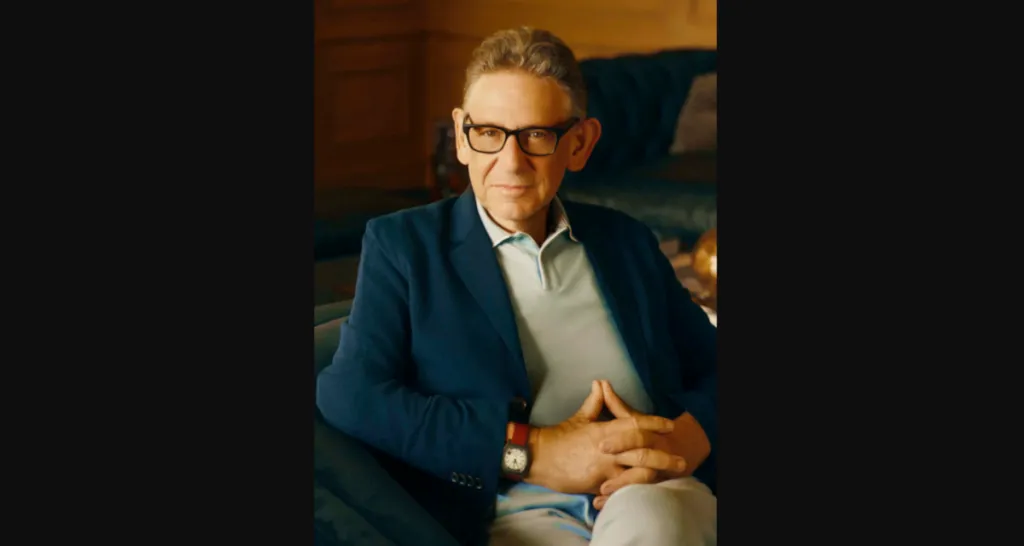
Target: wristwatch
x=515 y=460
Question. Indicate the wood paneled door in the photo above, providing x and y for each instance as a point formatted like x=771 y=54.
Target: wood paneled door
x=367 y=111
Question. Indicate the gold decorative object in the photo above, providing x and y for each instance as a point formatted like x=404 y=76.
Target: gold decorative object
x=705 y=266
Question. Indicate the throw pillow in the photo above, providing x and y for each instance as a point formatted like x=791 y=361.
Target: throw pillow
x=697 y=128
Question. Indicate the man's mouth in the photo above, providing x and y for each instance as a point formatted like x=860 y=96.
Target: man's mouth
x=512 y=190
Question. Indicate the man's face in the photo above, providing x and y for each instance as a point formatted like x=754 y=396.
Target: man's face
x=512 y=185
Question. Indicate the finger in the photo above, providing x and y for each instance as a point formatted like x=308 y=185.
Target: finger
x=639 y=421
x=599 y=501
x=614 y=472
x=629 y=477
x=627 y=440
x=592 y=406
x=651 y=458
x=614 y=403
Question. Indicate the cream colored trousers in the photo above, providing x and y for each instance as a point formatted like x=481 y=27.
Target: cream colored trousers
x=679 y=512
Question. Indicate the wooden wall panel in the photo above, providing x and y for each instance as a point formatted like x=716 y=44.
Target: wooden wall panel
x=366 y=19
x=447 y=55
x=610 y=26
x=367 y=109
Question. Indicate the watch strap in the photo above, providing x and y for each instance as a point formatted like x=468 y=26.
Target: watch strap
x=520 y=434
x=518 y=437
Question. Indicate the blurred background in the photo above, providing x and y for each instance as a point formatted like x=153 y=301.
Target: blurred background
x=388 y=73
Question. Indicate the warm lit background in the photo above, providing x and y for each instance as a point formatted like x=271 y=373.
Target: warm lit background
x=386 y=70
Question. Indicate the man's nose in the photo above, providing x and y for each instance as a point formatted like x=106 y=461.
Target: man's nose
x=512 y=156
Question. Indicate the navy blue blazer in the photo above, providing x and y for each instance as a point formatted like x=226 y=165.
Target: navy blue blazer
x=430 y=359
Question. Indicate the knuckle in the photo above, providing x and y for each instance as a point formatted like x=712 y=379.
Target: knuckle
x=642 y=455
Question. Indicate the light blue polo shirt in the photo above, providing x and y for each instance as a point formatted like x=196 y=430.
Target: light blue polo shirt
x=568 y=339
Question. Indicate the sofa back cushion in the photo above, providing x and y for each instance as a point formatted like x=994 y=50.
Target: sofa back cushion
x=638 y=98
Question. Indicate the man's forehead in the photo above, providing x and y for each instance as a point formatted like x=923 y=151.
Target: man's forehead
x=512 y=99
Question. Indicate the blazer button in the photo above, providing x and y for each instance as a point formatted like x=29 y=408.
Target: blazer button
x=455 y=477
x=479 y=484
x=462 y=479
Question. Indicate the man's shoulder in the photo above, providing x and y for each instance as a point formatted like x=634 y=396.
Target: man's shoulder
x=598 y=217
x=412 y=224
x=409 y=221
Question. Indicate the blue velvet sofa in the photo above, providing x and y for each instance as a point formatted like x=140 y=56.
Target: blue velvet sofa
x=355 y=501
x=638 y=99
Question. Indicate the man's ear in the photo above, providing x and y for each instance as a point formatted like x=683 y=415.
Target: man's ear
x=461 y=148
x=582 y=140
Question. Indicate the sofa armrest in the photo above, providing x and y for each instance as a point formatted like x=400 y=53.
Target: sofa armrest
x=366 y=495
x=330 y=311
x=355 y=500
x=336 y=523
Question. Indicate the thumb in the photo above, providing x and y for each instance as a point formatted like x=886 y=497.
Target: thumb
x=591 y=407
x=615 y=404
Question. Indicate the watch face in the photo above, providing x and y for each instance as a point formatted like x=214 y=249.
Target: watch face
x=515 y=458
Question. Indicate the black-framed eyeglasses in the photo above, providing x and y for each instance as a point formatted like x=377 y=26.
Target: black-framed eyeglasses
x=535 y=141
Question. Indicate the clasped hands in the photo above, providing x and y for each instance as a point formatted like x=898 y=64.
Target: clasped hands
x=583 y=455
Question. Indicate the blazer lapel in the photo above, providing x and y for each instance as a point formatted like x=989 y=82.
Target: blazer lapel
x=472 y=254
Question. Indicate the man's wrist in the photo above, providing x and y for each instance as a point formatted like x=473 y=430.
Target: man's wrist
x=536 y=470
x=517 y=458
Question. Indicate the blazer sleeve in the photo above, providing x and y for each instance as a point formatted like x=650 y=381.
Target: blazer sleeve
x=366 y=393
x=696 y=343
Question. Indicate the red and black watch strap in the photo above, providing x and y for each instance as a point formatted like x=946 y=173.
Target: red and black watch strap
x=520 y=434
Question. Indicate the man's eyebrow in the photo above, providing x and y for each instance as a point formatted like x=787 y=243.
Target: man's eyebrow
x=471 y=121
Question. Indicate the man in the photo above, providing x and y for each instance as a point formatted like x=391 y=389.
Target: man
x=490 y=331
